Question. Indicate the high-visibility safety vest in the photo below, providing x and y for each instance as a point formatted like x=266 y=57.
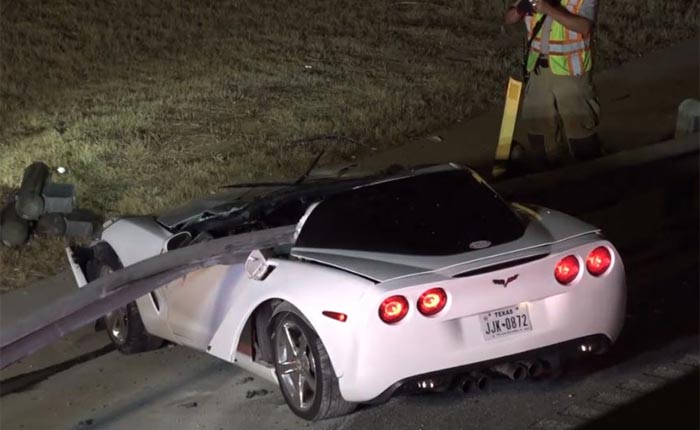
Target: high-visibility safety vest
x=569 y=52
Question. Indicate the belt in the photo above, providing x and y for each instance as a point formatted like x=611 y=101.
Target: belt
x=542 y=62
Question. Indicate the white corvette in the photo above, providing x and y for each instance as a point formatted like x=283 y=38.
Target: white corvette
x=393 y=279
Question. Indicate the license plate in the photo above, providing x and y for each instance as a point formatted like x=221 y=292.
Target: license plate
x=505 y=321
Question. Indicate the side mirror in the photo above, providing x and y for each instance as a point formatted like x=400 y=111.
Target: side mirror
x=179 y=240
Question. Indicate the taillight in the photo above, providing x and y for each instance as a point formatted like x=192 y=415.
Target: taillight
x=432 y=301
x=598 y=261
x=567 y=270
x=393 y=309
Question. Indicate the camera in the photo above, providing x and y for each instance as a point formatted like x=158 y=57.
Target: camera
x=525 y=8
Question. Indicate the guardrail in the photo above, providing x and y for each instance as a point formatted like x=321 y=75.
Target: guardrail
x=603 y=182
x=614 y=164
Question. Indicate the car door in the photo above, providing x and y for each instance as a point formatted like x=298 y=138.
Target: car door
x=198 y=303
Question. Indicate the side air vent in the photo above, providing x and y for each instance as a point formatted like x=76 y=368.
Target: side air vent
x=156 y=303
x=500 y=266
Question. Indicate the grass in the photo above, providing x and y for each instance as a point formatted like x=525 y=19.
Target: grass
x=148 y=104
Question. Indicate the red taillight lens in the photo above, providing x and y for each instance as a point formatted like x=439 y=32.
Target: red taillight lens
x=393 y=309
x=598 y=261
x=567 y=270
x=432 y=301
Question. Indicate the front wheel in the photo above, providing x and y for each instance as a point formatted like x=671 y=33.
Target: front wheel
x=124 y=325
x=304 y=371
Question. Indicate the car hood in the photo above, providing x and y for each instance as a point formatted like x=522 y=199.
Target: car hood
x=544 y=227
x=222 y=203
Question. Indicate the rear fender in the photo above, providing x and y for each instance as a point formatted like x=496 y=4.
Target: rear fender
x=311 y=289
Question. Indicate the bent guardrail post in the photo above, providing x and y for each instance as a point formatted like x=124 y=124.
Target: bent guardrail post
x=107 y=293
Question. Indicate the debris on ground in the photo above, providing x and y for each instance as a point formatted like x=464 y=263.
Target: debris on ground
x=254 y=393
x=85 y=424
x=245 y=380
x=43 y=207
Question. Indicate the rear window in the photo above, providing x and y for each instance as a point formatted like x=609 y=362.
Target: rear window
x=440 y=213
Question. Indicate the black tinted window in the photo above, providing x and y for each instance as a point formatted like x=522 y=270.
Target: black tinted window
x=432 y=214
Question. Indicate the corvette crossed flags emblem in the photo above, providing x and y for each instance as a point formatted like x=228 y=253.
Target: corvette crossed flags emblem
x=505 y=282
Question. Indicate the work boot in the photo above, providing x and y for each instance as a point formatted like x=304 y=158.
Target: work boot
x=516 y=164
x=586 y=148
x=535 y=154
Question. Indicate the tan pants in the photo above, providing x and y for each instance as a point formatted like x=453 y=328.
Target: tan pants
x=559 y=109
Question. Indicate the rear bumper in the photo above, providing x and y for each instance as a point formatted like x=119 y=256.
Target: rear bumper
x=598 y=343
x=385 y=355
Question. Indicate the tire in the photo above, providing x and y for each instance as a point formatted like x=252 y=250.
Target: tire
x=299 y=354
x=124 y=325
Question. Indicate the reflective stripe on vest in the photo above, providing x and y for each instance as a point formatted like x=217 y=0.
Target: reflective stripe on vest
x=569 y=52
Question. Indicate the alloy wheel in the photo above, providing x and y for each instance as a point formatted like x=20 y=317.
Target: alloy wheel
x=117 y=321
x=296 y=365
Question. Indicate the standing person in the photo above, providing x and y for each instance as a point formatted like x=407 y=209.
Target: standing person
x=560 y=110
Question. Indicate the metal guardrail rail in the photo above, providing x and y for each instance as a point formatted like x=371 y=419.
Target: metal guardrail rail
x=617 y=163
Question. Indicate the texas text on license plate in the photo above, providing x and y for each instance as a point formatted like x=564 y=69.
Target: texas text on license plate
x=501 y=322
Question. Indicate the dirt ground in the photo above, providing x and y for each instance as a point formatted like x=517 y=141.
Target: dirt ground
x=147 y=104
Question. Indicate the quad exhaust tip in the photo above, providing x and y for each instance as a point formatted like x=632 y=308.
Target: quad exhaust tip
x=514 y=371
x=535 y=368
x=479 y=381
x=476 y=381
x=520 y=370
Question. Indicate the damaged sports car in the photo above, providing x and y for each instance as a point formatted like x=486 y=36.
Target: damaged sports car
x=407 y=278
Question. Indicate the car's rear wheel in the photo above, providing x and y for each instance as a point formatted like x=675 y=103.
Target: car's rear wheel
x=304 y=371
x=124 y=325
